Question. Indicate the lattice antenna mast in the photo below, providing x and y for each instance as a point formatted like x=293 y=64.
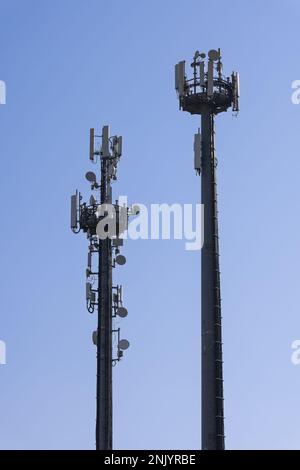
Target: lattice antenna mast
x=209 y=93
x=104 y=223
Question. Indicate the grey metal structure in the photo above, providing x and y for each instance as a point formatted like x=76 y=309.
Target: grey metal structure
x=209 y=93
x=104 y=223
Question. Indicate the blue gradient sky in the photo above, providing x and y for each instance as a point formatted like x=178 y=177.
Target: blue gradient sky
x=70 y=65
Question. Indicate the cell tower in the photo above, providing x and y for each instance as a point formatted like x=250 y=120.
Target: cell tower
x=104 y=223
x=209 y=93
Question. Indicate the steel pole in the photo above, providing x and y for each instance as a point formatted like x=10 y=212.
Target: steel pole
x=211 y=334
x=104 y=338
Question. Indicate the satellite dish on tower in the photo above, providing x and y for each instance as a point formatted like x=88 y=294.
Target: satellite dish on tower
x=123 y=344
x=90 y=176
x=122 y=312
x=120 y=259
x=213 y=54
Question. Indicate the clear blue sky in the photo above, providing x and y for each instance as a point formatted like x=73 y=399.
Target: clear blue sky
x=70 y=65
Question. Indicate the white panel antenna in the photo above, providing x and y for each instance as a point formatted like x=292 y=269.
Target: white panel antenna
x=180 y=77
x=120 y=145
x=202 y=73
x=90 y=295
x=89 y=260
x=210 y=78
x=121 y=294
x=236 y=90
x=105 y=141
x=74 y=207
x=237 y=75
x=117 y=146
x=197 y=152
x=88 y=290
x=92 y=140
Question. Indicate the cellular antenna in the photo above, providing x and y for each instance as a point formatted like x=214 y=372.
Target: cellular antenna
x=92 y=144
x=104 y=223
x=209 y=93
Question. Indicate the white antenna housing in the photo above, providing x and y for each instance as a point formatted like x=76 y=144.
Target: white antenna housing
x=74 y=209
x=180 y=77
x=105 y=141
x=197 y=152
x=92 y=143
x=210 y=78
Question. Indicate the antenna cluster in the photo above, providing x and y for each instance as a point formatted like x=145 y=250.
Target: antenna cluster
x=86 y=217
x=104 y=223
x=208 y=86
